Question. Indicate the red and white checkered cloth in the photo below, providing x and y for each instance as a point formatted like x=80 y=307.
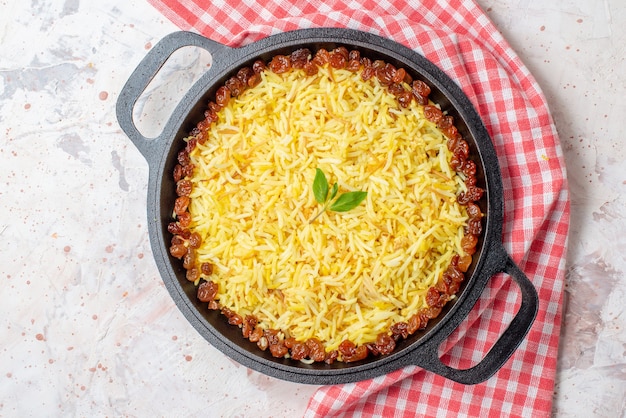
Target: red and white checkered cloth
x=458 y=37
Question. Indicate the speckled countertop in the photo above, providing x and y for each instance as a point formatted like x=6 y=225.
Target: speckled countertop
x=87 y=327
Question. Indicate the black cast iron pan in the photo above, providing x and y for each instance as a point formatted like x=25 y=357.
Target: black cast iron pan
x=420 y=349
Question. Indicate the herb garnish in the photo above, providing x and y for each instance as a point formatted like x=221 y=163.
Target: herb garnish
x=343 y=203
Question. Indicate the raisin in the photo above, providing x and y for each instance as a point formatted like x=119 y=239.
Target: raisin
x=367 y=73
x=433 y=297
x=470 y=182
x=244 y=75
x=214 y=108
x=469 y=168
x=338 y=61
x=468 y=243
x=322 y=57
x=455 y=162
x=395 y=89
x=272 y=336
x=192 y=274
x=181 y=204
x=433 y=312
x=256 y=335
x=408 y=79
x=405 y=98
x=473 y=210
x=178 y=173
x=222 y=96
x=206 y=269
x=183 y=188
x=373 y=350
x=432 y=113
x=261 y=343
x=183 y=158
x=280 y=64
x=454 y=273
x=227 y=312
x=254 y=80
x=472 y=194
x=399 y=75
x=386 y=74
x=445 y=122
x=300 y=57
x=400 y=328
x=451 y=132
x=454 y=262
x=378 y=64
x=423 y=317
x=290 y=342
x=202 y=137
x=276 y=345
x=191 y=144
x=413 y=324
x=203 y=125
x=189 y=258
x=465 y=262
x=463 y=198
x=178 y=250
x=188 y=170
x=258 y=67
x=249 y=323
x=316 y=349
x=474 y=226
x=421 y=91
x=310 y=68
x=475 y=193
x=210 y=115
x=339 y=57
x=195 y=240
x=331 y=356
x=461 y=150
x=207 y=291
x=299 y=351
x=235 y=85
x=174 y=228
x=235 y=319
x=442 y=287
x=184 y=219
x=354 y=55
x=177 y=240
x=350 y=353
x=278 y=350
x=385 y=344
x=353 y=65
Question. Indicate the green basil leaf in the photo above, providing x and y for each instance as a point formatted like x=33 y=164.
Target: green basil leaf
x=333 y=192
x=320 y=186
x=348 y=201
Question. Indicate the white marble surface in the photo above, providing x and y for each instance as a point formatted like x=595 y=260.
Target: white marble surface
x=88 y=329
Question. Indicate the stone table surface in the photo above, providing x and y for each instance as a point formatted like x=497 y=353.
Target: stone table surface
x=88 y=328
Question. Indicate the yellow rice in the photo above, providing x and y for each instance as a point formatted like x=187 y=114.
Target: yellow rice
x=346 y=275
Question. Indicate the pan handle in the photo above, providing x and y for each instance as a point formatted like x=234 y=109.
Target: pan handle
x=141 y=77
x=506 y=345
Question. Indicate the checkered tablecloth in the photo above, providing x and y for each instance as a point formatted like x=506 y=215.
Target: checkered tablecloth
x=457 y=36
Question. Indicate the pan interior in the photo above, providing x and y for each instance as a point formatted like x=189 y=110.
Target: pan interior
x=212 y=325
